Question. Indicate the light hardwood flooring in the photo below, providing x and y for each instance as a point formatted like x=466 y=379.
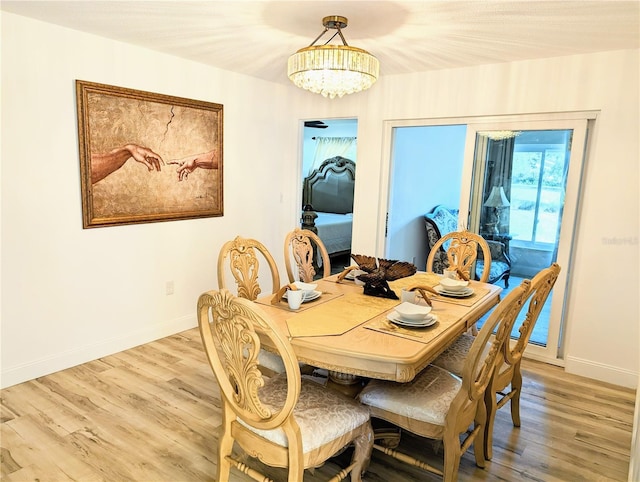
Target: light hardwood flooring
x=151 y=414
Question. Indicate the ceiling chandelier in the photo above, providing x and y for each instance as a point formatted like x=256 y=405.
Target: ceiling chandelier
x=333 y=70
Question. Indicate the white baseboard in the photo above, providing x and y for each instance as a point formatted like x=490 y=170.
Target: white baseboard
x=599 y=371
x=71 y=358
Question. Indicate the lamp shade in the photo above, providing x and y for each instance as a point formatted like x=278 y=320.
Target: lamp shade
x=333 y=70
x=497 y=198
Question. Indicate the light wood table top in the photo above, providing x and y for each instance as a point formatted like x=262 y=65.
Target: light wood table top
x=366 y=344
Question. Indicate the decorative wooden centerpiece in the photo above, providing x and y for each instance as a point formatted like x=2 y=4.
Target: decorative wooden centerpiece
x=378 y=273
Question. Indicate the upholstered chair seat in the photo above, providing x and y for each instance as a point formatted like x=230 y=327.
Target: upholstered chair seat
x=426 y=398
x=322 y=416
x=452 y=359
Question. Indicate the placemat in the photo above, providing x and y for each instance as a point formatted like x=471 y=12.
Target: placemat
x=338 y=317
x=423 y=335
x=283 y=305
x=427 y=279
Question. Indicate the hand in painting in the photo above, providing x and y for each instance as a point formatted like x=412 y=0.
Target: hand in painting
x=104 y=164
x=186 y=165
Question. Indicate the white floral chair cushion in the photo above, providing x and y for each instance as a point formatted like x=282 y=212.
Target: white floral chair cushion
x=426 y=398
x=453 y=358
x=322 y=415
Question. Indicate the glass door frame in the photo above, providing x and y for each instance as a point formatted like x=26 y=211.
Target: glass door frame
x=578 y=123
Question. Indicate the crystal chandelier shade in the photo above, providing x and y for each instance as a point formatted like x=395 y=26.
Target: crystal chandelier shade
x=500 y=135
x=333 y=70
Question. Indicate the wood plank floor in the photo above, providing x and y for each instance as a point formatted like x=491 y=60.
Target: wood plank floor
x=151 y=414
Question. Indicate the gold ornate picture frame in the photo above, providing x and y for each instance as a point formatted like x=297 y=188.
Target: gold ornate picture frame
x=147 y=157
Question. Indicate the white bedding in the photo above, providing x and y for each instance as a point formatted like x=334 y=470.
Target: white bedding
x=335 y=231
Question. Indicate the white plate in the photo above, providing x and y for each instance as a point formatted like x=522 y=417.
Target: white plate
x=454 y=294
x=351 y=276
x=428 y=320
x=313 y=296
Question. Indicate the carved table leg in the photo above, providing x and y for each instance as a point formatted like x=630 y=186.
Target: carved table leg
x=345 y=383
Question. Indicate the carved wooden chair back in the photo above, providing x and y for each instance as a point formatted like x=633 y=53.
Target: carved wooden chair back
x=507 y=372
x=300 y=255
x=284 y=421
x=439 y=405
x=242 y=258
x=462 y=253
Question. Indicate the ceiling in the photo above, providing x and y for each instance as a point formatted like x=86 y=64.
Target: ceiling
x=256 y=37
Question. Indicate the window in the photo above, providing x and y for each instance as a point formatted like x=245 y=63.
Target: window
x=537 y=187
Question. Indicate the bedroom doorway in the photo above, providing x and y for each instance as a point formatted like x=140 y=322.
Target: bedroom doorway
x=325 y=139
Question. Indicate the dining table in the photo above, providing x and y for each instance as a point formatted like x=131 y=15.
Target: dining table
x=349 y=333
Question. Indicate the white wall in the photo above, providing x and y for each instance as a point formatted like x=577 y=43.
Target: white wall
x=427 y=171
x=70 y=295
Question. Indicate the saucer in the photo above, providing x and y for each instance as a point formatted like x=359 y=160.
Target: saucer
x=315 y=294
x=394 y=317
x=454 y=294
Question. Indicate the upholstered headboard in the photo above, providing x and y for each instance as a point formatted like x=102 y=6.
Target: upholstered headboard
x=329 y=188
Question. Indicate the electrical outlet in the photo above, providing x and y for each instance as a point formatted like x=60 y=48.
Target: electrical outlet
x=169 y=288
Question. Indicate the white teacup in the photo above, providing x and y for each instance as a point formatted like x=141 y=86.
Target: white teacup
x=294 y=298
x=450 y=273
x=408 y=296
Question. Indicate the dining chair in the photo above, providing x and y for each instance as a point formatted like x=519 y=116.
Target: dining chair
x=507 y=371
x=241 y=258
x=300 y=255
x=284 y=421
x=506 y=383
x=462 y=253
x=439 y=405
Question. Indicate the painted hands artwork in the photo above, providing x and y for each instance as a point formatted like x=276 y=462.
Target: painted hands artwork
x=106 y=163
x=135 y=147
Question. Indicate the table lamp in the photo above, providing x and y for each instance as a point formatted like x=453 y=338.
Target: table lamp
x=497 y=200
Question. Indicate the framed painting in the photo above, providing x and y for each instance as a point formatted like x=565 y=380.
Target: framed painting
x=147 y=157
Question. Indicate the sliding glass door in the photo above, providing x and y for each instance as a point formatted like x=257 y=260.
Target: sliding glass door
x=523 y=183
x=519 y=185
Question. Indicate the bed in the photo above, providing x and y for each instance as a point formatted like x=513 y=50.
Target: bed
x=327 y=198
